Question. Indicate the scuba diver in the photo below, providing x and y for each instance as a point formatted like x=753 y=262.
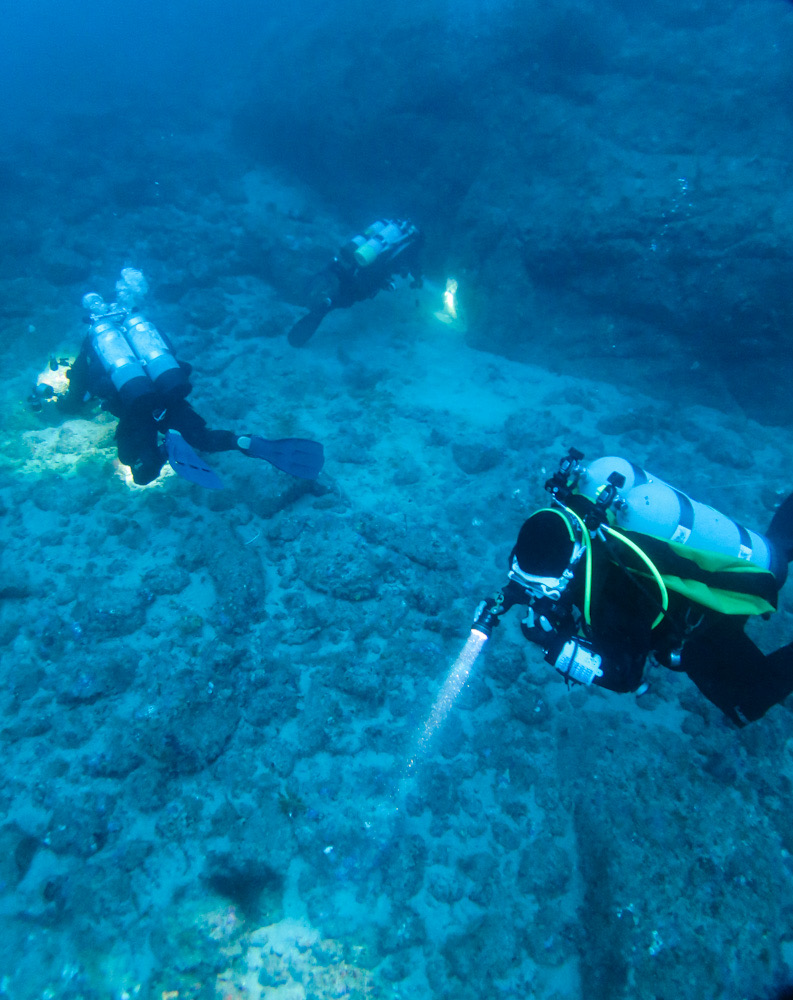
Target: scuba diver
x=130 y=366
x=621 y=568
x=363 y=267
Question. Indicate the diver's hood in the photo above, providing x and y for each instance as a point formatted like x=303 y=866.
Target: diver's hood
x=550 y=544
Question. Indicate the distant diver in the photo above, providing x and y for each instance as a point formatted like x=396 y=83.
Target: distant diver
x=130 y=366
x=364 y=266
x=621 y=567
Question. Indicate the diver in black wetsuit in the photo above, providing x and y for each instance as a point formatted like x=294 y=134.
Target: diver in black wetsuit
x=362 y=268
x=129 y=365
x=622 y=567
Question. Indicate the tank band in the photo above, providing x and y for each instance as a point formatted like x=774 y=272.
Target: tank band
x=744 y=541
x=640 y=477
x=685 y=521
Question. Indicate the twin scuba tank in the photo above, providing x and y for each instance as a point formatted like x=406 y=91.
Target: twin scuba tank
x=135 y=356
x=650 y=506
x=385 y=236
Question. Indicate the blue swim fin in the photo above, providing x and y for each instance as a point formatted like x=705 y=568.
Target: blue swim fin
x=185 y=463
x=297 y=456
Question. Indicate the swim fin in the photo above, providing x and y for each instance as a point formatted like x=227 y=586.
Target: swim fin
x=185 y=463
x=305 y=328
x=297 y=456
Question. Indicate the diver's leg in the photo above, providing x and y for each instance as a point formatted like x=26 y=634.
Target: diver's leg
x=307 y=326
x=778 y=682
x=193 y=428
x=297 y=456
x=734 y=674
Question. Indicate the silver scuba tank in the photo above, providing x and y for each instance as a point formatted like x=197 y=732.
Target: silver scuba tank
x=651 y=506
x=117 y=357
x=114 y=353
x=381 y=236
x=369 y=246
x=349 y=249
x=151 y=348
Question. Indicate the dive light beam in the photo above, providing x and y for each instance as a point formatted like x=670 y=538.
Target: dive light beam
x=452 y=686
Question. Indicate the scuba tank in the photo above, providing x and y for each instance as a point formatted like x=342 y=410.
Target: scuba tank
x=652 y=507
x=116 y=356
x=382 y=236
x=133 y=353
x=350 y=249
x=367 y=247
x=151 y=348
x=686 y=546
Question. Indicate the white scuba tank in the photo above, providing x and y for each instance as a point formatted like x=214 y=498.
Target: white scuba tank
x=150 y=346
x=653 y=507
x=118 y=359
x=381 y=236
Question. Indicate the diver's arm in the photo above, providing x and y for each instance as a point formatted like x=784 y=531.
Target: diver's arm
x=489 y=610
x=613 y=666
x=572 y=656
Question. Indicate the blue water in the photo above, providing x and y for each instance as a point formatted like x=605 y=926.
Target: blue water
x=208 y=700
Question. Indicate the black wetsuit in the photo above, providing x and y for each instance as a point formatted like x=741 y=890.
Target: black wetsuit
x=344 y=282
x=723 y=662
x=141 y=423
x=354 y=283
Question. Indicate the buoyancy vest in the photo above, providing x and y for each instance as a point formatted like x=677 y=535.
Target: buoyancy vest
x=714 y=580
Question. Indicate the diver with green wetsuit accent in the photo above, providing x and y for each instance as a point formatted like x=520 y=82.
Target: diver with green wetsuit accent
x=621 y=568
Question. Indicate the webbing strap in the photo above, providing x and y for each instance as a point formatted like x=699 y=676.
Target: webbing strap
x=685 y=521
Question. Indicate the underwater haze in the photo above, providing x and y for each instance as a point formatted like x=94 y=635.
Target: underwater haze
x=242 y=754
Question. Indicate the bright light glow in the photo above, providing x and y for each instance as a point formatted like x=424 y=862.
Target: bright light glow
x=450 y=298
x=452 y=686
x=55 y=379
x=288 y=953
x=450 y=314
x=124 y=473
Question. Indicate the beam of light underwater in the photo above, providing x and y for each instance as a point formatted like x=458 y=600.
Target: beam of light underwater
x=386 y=825
x=449 y=312
x=452 y=686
